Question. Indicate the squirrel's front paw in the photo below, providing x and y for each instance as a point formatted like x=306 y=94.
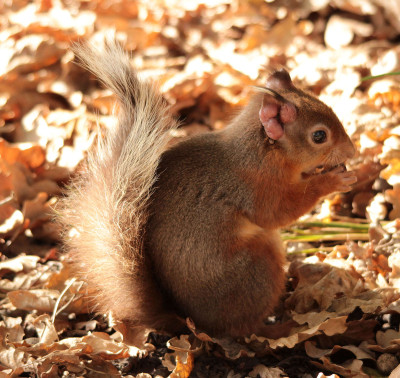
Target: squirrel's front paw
x=340 y=180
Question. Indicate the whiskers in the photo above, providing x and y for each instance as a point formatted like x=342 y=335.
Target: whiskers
x=333 y=159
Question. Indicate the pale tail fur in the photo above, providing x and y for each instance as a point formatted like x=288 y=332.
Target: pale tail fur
x=107 y=203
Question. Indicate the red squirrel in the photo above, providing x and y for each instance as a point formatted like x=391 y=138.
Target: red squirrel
x=192 y=230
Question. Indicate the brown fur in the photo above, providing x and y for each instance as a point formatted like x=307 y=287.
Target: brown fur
x=193 y=230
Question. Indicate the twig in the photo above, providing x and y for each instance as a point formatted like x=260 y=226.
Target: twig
x=325 y=237
x=379 y=76
x=55 y=312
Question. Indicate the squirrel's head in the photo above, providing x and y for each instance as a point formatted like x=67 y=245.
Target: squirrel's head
x=307 y=130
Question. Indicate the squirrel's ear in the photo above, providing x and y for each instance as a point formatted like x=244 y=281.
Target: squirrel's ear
x=279 y=80
x=274 y=113
x=275 y=110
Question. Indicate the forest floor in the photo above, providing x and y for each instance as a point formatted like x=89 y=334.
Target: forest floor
x=343 y=270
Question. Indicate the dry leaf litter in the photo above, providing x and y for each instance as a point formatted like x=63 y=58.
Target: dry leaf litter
x=340 y=313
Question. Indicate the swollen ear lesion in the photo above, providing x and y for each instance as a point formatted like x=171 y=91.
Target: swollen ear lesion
x=274 y=114
x=275 y=109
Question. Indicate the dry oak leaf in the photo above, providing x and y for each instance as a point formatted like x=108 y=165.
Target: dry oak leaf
x=75 y=299
x=100 y=344
x=25 y=281
x=369 y=301
x=53 y=173
x=6 y=187
x=392 y=172
x=319 y=285
x=38 y=299
x=352 y=368
x=20 y=263
x=390 y=149
x=45 y=329
x=340 y=31
x=99 y=347
x=57 y=364
x=262 y=371
x=348 y=354
x=31 y=53
x=393 y=196
x=181 y=361
x=395 y=373
x=14 y=358
x=388 y=341
x=231 y=348
x=64 y=358
x=32 y=156
x=14 y=334
x=11 y=220
x=57 y=280
x=361 y=352
x=11 y=356
x=394 y=263
x=38 y=210
x=313 y=318
x=21 y=180
x=234 y=350
x=24 y=184
x=329 y=327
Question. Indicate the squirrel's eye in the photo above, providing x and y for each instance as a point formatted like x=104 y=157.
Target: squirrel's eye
x=319 y=136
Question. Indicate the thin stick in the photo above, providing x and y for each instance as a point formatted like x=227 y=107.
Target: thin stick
x=312 y=250
x=379 y=76
x=354 y=226
x=55 y=313
x=325 y=237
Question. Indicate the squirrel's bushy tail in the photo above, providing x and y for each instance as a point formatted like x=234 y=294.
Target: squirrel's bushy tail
x=107 y=203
